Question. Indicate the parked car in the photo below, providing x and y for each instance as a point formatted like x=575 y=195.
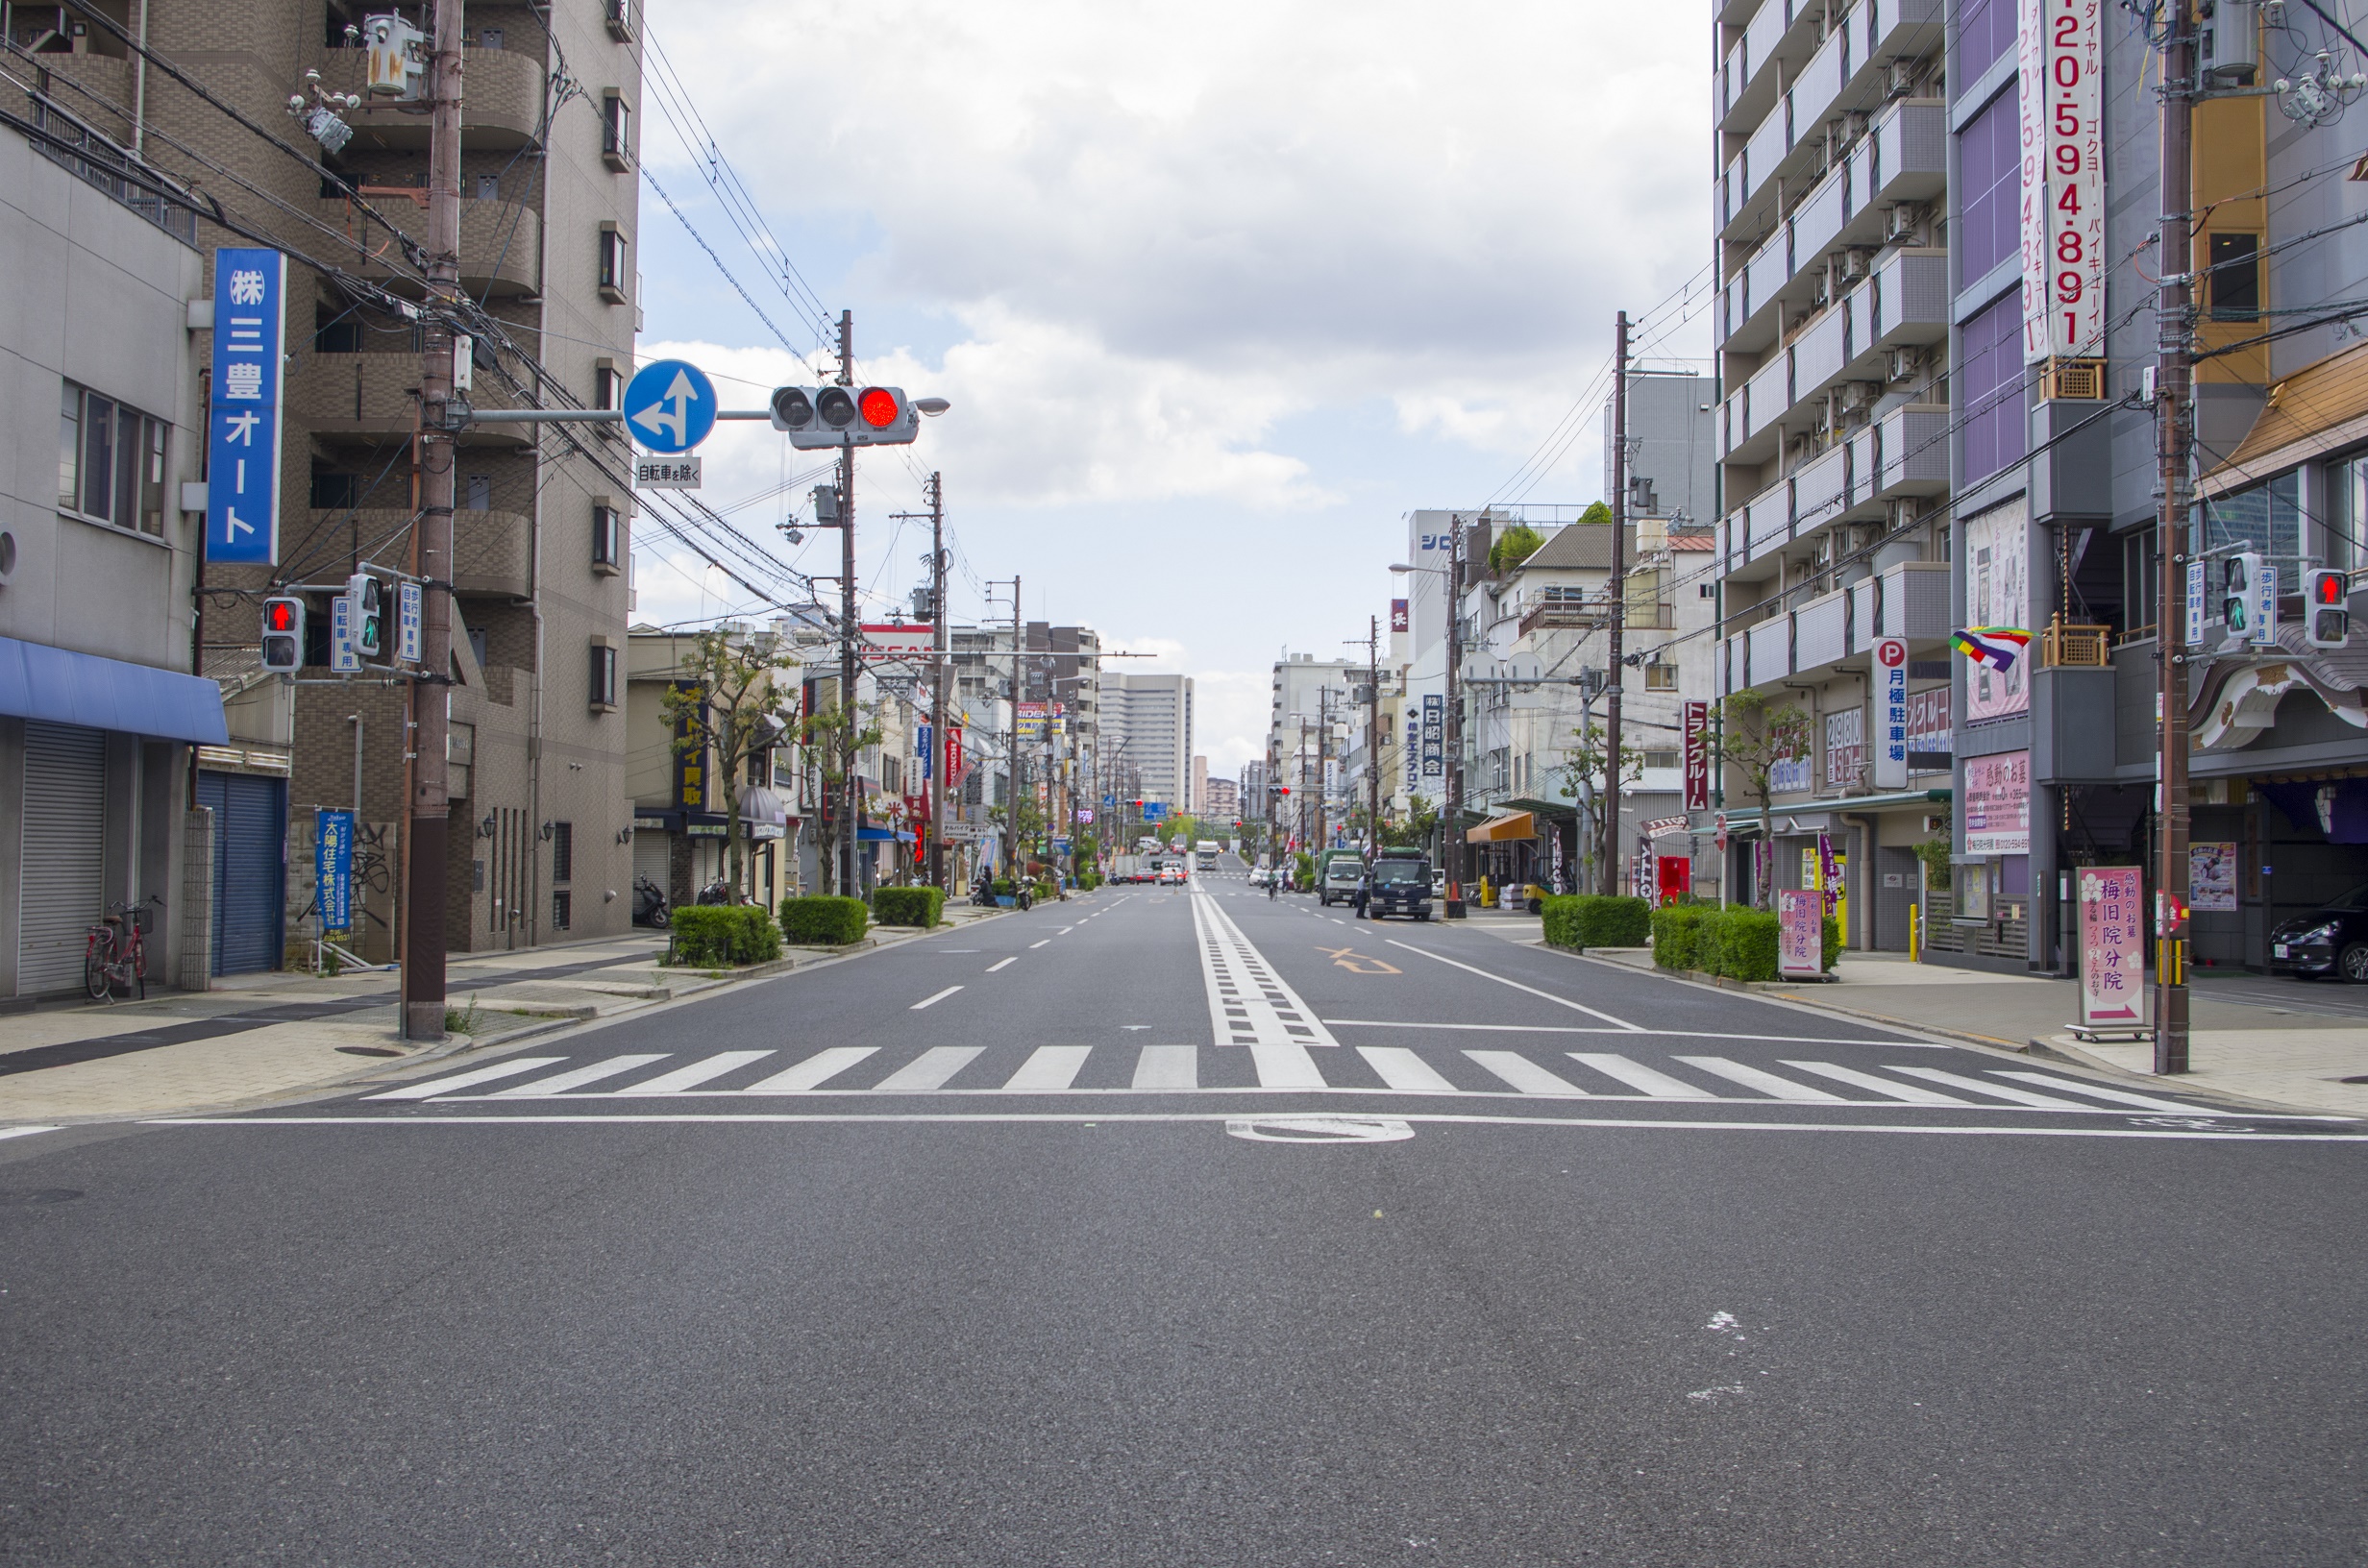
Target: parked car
x=2331 y=940
x=1401 y=885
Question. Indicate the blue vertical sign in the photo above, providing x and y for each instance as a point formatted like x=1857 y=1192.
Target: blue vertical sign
x=242 y=437
x=333 y=869
x=929 y=754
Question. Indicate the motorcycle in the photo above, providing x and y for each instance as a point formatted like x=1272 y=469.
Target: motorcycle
x=648 y=905
x=1021 y=898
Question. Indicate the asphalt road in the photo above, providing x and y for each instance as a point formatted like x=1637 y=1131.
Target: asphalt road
x=997 y=1248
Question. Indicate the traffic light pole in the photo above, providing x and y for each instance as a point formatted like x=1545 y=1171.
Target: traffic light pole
x=937 y=685
x=2174 y=368
x=430 y=802
x=850 y=633
x=1453 y=827
x=1608 y=873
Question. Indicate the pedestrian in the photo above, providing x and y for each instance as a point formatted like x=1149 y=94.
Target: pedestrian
x=1364 y=890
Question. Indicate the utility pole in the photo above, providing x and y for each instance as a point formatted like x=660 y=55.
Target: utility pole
x=423 y=952
x=1011 y=814
x=850 y=632
x=1372 y=735
x=938 y=713
x=1452 y=826
x=2173 y=374
x=1608 y=874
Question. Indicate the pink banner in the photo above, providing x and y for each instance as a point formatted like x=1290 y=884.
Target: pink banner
x=1800 y=933
x=2113 y=959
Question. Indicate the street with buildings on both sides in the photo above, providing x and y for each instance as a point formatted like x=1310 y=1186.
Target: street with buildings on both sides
x=1184 y=1225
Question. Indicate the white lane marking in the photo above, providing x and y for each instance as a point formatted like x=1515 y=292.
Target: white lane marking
x=1033 y=946
x=929 y=1070
x=932 y=1001
x=1073 y=1117
x=1638 y=1076
x=1911 y=1094
x=822 y=1065
x=1484 y=974
x=1525 y=1075
x=1767 y=1083
x=467 y=1080
x=1064 y=930
x=2100 y=1091
x=1320 y=1129
x=1249 y=1003
x=1049 y=1066
x=696 y=1074
x=1003 y=964
x=1284 y=1064
x=562 y=1081
x=1633 y=1029
x=1400 y=1069
x=2003 y=1091
x=28 y=1132
x=1167 y=1066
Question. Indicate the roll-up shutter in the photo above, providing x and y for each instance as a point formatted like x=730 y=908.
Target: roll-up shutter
x=64 y=830
x=650 y=855
x=250 y=854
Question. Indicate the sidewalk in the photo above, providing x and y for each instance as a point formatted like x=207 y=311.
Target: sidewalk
x=261 y=1037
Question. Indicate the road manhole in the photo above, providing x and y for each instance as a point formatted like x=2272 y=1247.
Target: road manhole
x=1318 y=1129
x=27 y=1197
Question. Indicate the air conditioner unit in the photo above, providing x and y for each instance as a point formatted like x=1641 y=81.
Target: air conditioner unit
x=1855 y=397
x=1898 y=77
x=1904 y=365
x=1905 y=221
x=1903 y=513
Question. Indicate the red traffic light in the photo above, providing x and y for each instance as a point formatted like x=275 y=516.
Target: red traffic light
x=878 y=407
x=2328 y=588
x=279 y=615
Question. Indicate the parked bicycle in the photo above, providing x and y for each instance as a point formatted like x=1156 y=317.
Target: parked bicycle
x=115 y=953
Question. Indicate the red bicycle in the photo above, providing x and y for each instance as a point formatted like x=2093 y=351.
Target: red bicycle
x=114 y=953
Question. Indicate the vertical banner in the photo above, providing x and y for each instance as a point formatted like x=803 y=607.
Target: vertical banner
x=929 y=753
x=332 y=868
x=2113 y=959
x=242 y=433
x=1697 y=731
x=1398 y=615
x=953 y=754
x=2061 y=104
x=1800 y=933
x=1890 y=713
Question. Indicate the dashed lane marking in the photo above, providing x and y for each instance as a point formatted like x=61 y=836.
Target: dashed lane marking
x=932 y=1001
x=1003 y=964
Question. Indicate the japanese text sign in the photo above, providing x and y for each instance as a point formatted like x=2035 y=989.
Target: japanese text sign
x=333 y=869
x=1890 y=713
x=1698 y=722
x=242 y=422
x=2061 y=106
x=2113 y=961
x=1800 y=933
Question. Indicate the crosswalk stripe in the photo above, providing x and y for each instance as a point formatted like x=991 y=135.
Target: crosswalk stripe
x=1910 y=1093
x=1167 y=1066
x=1284 y=1064
x=2119 y=1096
x=1049 y=1066
x=812 y=1073
x=2003 y=1091
x=1750 y=1077
x=467 y=1080
x=1401 y=1068
x=696 y=1074
x=1640 y=1077
x=929 y=1069
x=1523 y=1073
x=560 y=1083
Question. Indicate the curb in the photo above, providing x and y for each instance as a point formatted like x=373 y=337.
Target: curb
x=2074 y=1057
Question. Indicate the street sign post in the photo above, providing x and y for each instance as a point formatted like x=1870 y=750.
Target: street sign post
x=670 y=406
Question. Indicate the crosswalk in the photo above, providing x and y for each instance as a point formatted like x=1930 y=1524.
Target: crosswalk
x=1693 y=1079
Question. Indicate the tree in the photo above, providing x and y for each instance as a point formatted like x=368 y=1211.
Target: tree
x=1585 y=760
x=1415 y=832
x=1758 y=735
x=1511 y=548
x=831 y=738
x=721 y=701
x=1597 y=512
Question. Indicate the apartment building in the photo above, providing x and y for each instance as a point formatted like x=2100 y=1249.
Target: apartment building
x=1147 y=731
x=1672 y=469
x=1308 y=730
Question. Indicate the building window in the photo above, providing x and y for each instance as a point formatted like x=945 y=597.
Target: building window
x=1989 y=228
x=604 y=675
x=1661 y=678
x=2339 y=536
x=612 y=266
x=607 y=386
x=608 y=538
x=1990 y=386
x=563 y=852
x=2140 y=586
x=335 y=492
x=616 y=132
x=111 y=461
x=2236 y=287
x=2265 y=517
x=563 y=906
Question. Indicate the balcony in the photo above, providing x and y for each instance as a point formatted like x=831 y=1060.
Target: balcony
x=493 y=554
x=1905 y=453
x=500 y=241
x=1822 y=632
x=1904 y=302
x=501 y=104
x=365 y=395
x=1913 y=601
x=1771 y=649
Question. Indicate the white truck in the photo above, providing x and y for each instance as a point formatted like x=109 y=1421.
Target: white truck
x=1204 y=854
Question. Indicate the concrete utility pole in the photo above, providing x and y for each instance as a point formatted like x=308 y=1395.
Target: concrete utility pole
x=423 y=951
x=1372 y=735
x=2175 y=369
x=1452 y=826
x=943 y=656
x=1011 y=751
x=850 y=634
x=1608 y=873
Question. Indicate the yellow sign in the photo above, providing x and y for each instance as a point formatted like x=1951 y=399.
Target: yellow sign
x=1811 y=876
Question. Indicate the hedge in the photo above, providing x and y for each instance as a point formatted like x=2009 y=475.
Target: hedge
x=908 y=906
x=1587 y=920
x=1088 y=881
x=826 y=921
x=723 y=936
x=1738 y=943
x=1677 y=936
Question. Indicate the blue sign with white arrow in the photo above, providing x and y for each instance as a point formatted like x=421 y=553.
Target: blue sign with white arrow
x=670 y=406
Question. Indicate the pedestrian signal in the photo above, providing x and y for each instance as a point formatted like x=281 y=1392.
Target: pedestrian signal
x=283 y=635
x=369 y=599
x=2327 y=605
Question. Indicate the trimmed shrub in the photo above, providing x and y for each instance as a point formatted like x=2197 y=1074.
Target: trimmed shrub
x=1677 y=936
x=1088 y=881
x=832 y=923
x=1740 y=943
x=1587 y=920
x=908 y=906
x=723 y=936
x=1830 y=948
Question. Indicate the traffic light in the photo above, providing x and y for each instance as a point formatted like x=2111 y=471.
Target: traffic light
x=840 y=416
x=283 y=635
x=369 y=600
x=2240 y=594
x=2326 y=608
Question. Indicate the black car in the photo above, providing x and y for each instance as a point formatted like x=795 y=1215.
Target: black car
x=1399 y=885
x=2331 y=940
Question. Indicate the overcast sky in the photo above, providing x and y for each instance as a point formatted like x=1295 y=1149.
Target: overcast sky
x=1219 y=292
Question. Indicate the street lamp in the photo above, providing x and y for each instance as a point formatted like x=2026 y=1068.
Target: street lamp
x=1452 y=809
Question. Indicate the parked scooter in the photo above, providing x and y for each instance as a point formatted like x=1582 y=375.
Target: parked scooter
x=650 y=904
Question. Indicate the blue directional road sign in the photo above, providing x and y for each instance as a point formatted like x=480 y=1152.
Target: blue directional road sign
x=670 y=406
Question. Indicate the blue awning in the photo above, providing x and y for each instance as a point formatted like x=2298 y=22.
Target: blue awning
x=49 y=684
x=868 y=834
